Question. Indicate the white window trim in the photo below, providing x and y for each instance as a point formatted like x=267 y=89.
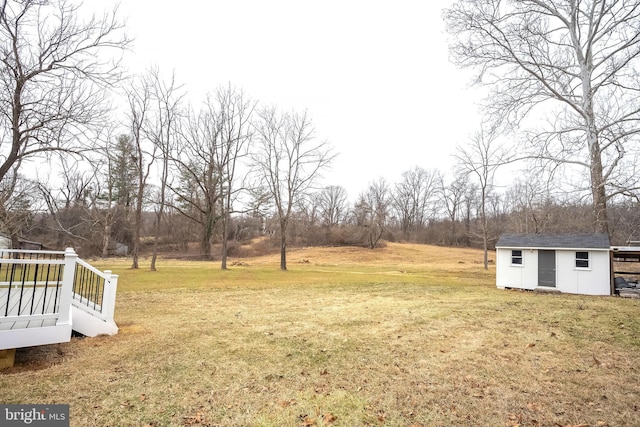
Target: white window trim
x=521 y=265
x=588 y=259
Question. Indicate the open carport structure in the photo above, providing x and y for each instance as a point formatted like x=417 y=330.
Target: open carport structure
x=625 y=269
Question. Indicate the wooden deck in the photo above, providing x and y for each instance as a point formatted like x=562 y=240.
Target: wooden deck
x=43 y=294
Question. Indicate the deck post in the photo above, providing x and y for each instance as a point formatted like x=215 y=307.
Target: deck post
x=109 y=295
x=7 y=358
x=70 y=260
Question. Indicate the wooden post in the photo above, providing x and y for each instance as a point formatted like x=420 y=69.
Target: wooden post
x=612 y=275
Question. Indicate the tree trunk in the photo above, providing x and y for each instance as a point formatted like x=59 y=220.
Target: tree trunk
x=485 y=247
x=226 y=213
x=106 y=239
x=205 y=245
x=207 y=233
x=283 y=252
x=159 y=215
x=283 y=245
x=135 y=253
x=485 y=231
x=225 y=238
x=375 y=233
x=598 y=190
x=156 y=233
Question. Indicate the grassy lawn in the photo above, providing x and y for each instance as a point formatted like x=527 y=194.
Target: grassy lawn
x=403 y=336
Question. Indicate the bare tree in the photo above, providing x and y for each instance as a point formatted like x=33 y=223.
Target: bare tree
x=198 y=188
x=213 y=143
x=235 y=110
x=480 y=159
x=576 y=61
x=414 y=198
x=53 y=82
x=452 y=197
x=288 y=160
x=167 y=97
x=334 y=205
x=112 y=178
x=530 y=199
x=18 y=201
x=70 y=204
x=371 y=211
x=144 y=154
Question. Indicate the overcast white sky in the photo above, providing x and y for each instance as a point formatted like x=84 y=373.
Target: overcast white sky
x=374 y=75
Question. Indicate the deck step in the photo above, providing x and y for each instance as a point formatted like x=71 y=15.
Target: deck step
x=547 y=290
x=91 y=326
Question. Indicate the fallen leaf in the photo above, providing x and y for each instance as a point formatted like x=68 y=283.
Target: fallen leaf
x=198 y=418
x=515 y=420
x=533 y=406
x=143 y=397
x=307 y=421
x=287 y=403
x=602 y=424
x=531 y=345
x=329 y=418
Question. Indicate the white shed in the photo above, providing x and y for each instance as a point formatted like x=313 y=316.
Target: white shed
x=571 y=263
x=5 y=241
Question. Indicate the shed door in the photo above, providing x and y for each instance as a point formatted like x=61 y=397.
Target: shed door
x=547 y=268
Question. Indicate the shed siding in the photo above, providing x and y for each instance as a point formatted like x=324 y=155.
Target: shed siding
x=592 y=281
x=523 y=276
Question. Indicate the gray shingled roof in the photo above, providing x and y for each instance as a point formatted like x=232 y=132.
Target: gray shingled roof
x=573 y=241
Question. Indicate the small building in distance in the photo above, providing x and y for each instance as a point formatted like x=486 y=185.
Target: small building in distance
x=570 y=263
x=6 y=242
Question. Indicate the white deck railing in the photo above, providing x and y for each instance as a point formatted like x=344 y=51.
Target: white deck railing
x=38 y=290
x=94 y=291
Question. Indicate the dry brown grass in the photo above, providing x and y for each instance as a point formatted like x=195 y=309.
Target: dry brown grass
x=404 y=336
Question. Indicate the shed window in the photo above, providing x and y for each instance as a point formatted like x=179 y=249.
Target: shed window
x=582 y=259
x=516 y=257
